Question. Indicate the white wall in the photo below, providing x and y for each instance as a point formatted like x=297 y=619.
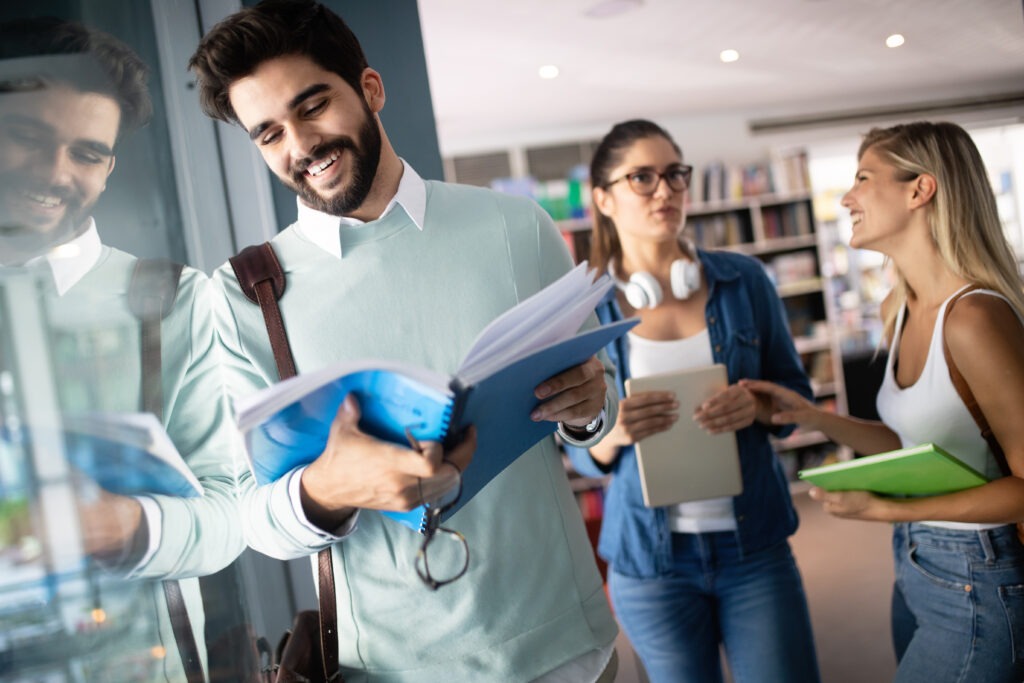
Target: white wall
x=726 y=136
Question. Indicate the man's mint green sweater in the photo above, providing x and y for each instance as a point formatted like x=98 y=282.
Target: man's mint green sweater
x=532 y=598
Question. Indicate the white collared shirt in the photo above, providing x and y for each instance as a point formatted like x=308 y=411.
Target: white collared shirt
x=322 y=229
x=69 y=262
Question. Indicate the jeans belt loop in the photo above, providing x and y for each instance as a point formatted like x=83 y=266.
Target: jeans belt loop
x=985 y=537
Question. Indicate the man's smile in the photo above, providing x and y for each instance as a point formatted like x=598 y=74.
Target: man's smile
x=318 y=168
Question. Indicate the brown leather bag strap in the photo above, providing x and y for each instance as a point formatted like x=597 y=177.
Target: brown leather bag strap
x=328 y=616
x=262 y=281
x=182 y=627
x=151 y=294
x=967 y=396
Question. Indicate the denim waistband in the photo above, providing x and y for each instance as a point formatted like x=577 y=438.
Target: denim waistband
x=998 y=542
x=723 y=545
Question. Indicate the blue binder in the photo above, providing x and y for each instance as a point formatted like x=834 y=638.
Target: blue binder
x=432 y=408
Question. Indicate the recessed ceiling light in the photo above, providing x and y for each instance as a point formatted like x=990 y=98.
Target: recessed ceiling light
x=895 y=40
x=548 y=71
x=729 y=56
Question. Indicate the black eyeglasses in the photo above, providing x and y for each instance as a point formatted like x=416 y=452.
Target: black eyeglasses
x=645 y=182
x=451 y=561
x=444 y=549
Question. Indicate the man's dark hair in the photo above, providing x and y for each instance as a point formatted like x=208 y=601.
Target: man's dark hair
x=235 y=47
x=112 y=68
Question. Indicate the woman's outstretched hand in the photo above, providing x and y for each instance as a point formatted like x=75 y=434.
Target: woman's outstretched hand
x=784 y=406
x=850 y=504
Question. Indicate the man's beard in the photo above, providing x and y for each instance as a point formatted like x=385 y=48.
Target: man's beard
x=23 y=235
x=366 y=158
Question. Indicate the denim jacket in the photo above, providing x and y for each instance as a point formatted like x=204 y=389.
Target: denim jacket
x=749 y=333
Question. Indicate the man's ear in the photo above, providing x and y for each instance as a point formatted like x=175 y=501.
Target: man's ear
x=373 y=89
x=110 y=169
x=923 y=190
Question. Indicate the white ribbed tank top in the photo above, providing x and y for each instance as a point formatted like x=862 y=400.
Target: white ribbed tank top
x=930 y=410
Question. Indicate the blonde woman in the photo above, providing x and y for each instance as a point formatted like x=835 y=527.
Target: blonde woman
x=922 y=198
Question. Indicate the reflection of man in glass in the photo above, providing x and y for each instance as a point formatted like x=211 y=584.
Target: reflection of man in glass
x=47 y=203
x=66 y=96
x=57 y=148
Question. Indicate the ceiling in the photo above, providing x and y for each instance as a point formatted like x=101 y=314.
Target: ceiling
x=660 y=58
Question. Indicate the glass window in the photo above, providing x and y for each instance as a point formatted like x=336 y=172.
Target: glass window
x=107 y=367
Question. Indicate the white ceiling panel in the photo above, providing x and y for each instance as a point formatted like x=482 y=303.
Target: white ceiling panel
x=660 y=58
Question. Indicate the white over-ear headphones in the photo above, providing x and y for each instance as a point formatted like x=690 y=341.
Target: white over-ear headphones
x=644 y=291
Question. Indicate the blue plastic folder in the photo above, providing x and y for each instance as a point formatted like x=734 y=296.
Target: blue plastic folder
x=287 y=425
x=128 y=470
x=124 y=453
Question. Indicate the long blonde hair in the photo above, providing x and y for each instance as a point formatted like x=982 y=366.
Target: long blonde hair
x=962 y=215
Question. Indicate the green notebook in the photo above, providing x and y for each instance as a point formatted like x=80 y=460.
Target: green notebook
x=924 y=470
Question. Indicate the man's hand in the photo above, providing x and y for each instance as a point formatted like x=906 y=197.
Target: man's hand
x=574 y=397
x=113 y=528
x=357 y=470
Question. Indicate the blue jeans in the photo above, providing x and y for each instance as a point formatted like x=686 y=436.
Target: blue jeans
x=958 y=605
x=753 y=605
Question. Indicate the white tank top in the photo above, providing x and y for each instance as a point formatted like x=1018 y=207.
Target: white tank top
x=651 y=357
x=930 y=410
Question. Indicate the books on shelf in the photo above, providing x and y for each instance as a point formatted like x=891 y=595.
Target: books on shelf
x=794 y=266
x=714 y=182
x=790 y=172
x=783 y=174
x=787 y=220
x=287 y=425
x=720 y=229
x=924 y=470
x=756 y=180
x=127 y=454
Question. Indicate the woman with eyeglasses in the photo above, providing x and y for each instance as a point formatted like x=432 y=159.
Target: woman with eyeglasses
x=688 y=579
x=922 y=197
